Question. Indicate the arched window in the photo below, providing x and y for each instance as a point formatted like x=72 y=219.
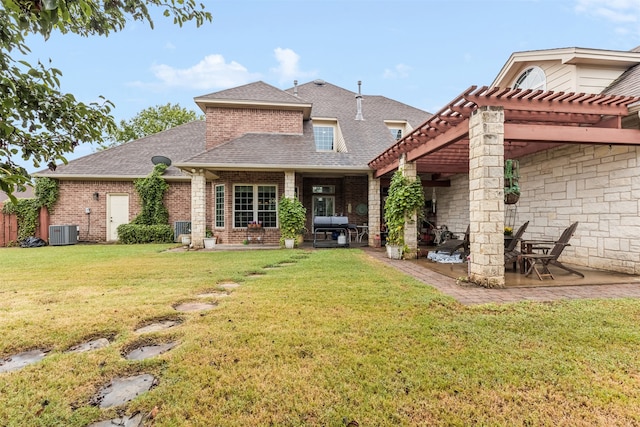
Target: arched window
x=531 y=78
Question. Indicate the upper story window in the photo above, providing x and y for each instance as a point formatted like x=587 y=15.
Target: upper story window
x=398 y=128
x=532 y=78
x=324 y=136
x=396 y=133
x=328 y=135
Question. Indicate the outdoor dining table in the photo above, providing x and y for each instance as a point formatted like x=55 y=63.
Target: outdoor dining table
x=533 y=246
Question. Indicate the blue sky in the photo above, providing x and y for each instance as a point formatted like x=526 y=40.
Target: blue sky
x=420 y=52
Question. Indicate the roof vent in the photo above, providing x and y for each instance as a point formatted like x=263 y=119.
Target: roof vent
x=359 y=115
x=319 y=82
x=295 y=88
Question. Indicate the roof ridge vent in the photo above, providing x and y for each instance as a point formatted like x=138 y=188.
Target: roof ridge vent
x=359 y=115
x=319 y=82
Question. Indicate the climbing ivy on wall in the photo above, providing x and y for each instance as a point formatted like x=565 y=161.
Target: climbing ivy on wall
x=151 y=191
x=27 y=210
x=406 y=198
x=152 y=223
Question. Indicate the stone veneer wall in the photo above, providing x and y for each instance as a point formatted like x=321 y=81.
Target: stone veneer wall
x=595 y=185
x=452 y=204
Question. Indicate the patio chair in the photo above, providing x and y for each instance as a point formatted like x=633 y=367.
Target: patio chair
x=511 y=252
x=539 y=262
x=452 y=245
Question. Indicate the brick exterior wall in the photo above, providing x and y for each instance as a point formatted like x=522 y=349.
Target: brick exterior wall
x=76 y=196
x=349 y=191
x=231 y=234
x=231 y=123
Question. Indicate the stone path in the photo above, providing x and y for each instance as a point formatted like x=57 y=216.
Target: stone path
x=121 y=391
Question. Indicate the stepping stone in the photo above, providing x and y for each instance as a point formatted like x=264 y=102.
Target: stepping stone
x=133 y=421
x=254 y=275
x=90 y=345
x=195 y=306
x=20 y=360
x=149 y=351
x=157 y=326
x=123 y=390
x=213 y=295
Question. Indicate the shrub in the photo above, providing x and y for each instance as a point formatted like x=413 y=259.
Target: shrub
x=137 y=233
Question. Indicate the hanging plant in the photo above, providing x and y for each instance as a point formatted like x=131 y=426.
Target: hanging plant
x=511 y=181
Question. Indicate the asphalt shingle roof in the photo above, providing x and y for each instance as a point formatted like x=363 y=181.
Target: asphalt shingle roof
x=365 y=139
x=133 y=159
x=185 y=145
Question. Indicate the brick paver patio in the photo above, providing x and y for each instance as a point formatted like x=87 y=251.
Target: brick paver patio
x=470 y=295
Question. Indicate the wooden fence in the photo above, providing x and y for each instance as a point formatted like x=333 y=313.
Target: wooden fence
x=9 y=228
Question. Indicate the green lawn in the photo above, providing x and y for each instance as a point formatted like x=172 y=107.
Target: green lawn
x=323 y=338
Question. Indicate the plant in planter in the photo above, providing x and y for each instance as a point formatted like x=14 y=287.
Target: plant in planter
x=511 y=178
x=209 y=239
x=406 y=198
x=292 y=216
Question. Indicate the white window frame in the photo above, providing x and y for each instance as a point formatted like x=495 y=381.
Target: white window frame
x=533 y=78
x=256 y=211
x=333 y=136
x=218 y=208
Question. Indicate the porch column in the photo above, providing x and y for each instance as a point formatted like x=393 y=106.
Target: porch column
x=410 y=171
x=198 y=208
x=486 y=196
x=290 y=184
x=375 y=207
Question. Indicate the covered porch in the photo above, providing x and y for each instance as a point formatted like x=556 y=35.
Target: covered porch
x=466 y=143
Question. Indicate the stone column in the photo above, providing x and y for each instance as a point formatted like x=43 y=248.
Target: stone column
x=198 y=208
x=375 y=207
x=290 y=184
x=410 y=171
x=486 y=196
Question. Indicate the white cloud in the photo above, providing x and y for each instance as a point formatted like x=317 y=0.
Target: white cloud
x=213 y=72
x=400 y=71
x=288 y=68
x=616 y=11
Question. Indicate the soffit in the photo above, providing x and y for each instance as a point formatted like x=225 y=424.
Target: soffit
x=534 y=121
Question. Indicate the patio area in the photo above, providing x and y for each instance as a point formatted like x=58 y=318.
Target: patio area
x=513 y=279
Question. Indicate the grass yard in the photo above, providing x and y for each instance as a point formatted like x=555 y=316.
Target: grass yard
x=323 y=338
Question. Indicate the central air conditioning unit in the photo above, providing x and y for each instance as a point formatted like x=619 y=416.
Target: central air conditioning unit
x=60 y=235
x=181 y=227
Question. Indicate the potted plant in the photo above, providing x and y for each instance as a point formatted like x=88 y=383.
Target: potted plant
x=511 y=178
x=405 y=199
x=292 y=219
x=209 y=240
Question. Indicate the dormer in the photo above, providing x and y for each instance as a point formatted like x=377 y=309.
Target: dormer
x=398 y=128
x=566 y=70
x=328 y=136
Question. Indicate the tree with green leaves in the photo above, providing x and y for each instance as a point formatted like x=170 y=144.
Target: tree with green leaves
x=150 y=121
x=38 y=122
